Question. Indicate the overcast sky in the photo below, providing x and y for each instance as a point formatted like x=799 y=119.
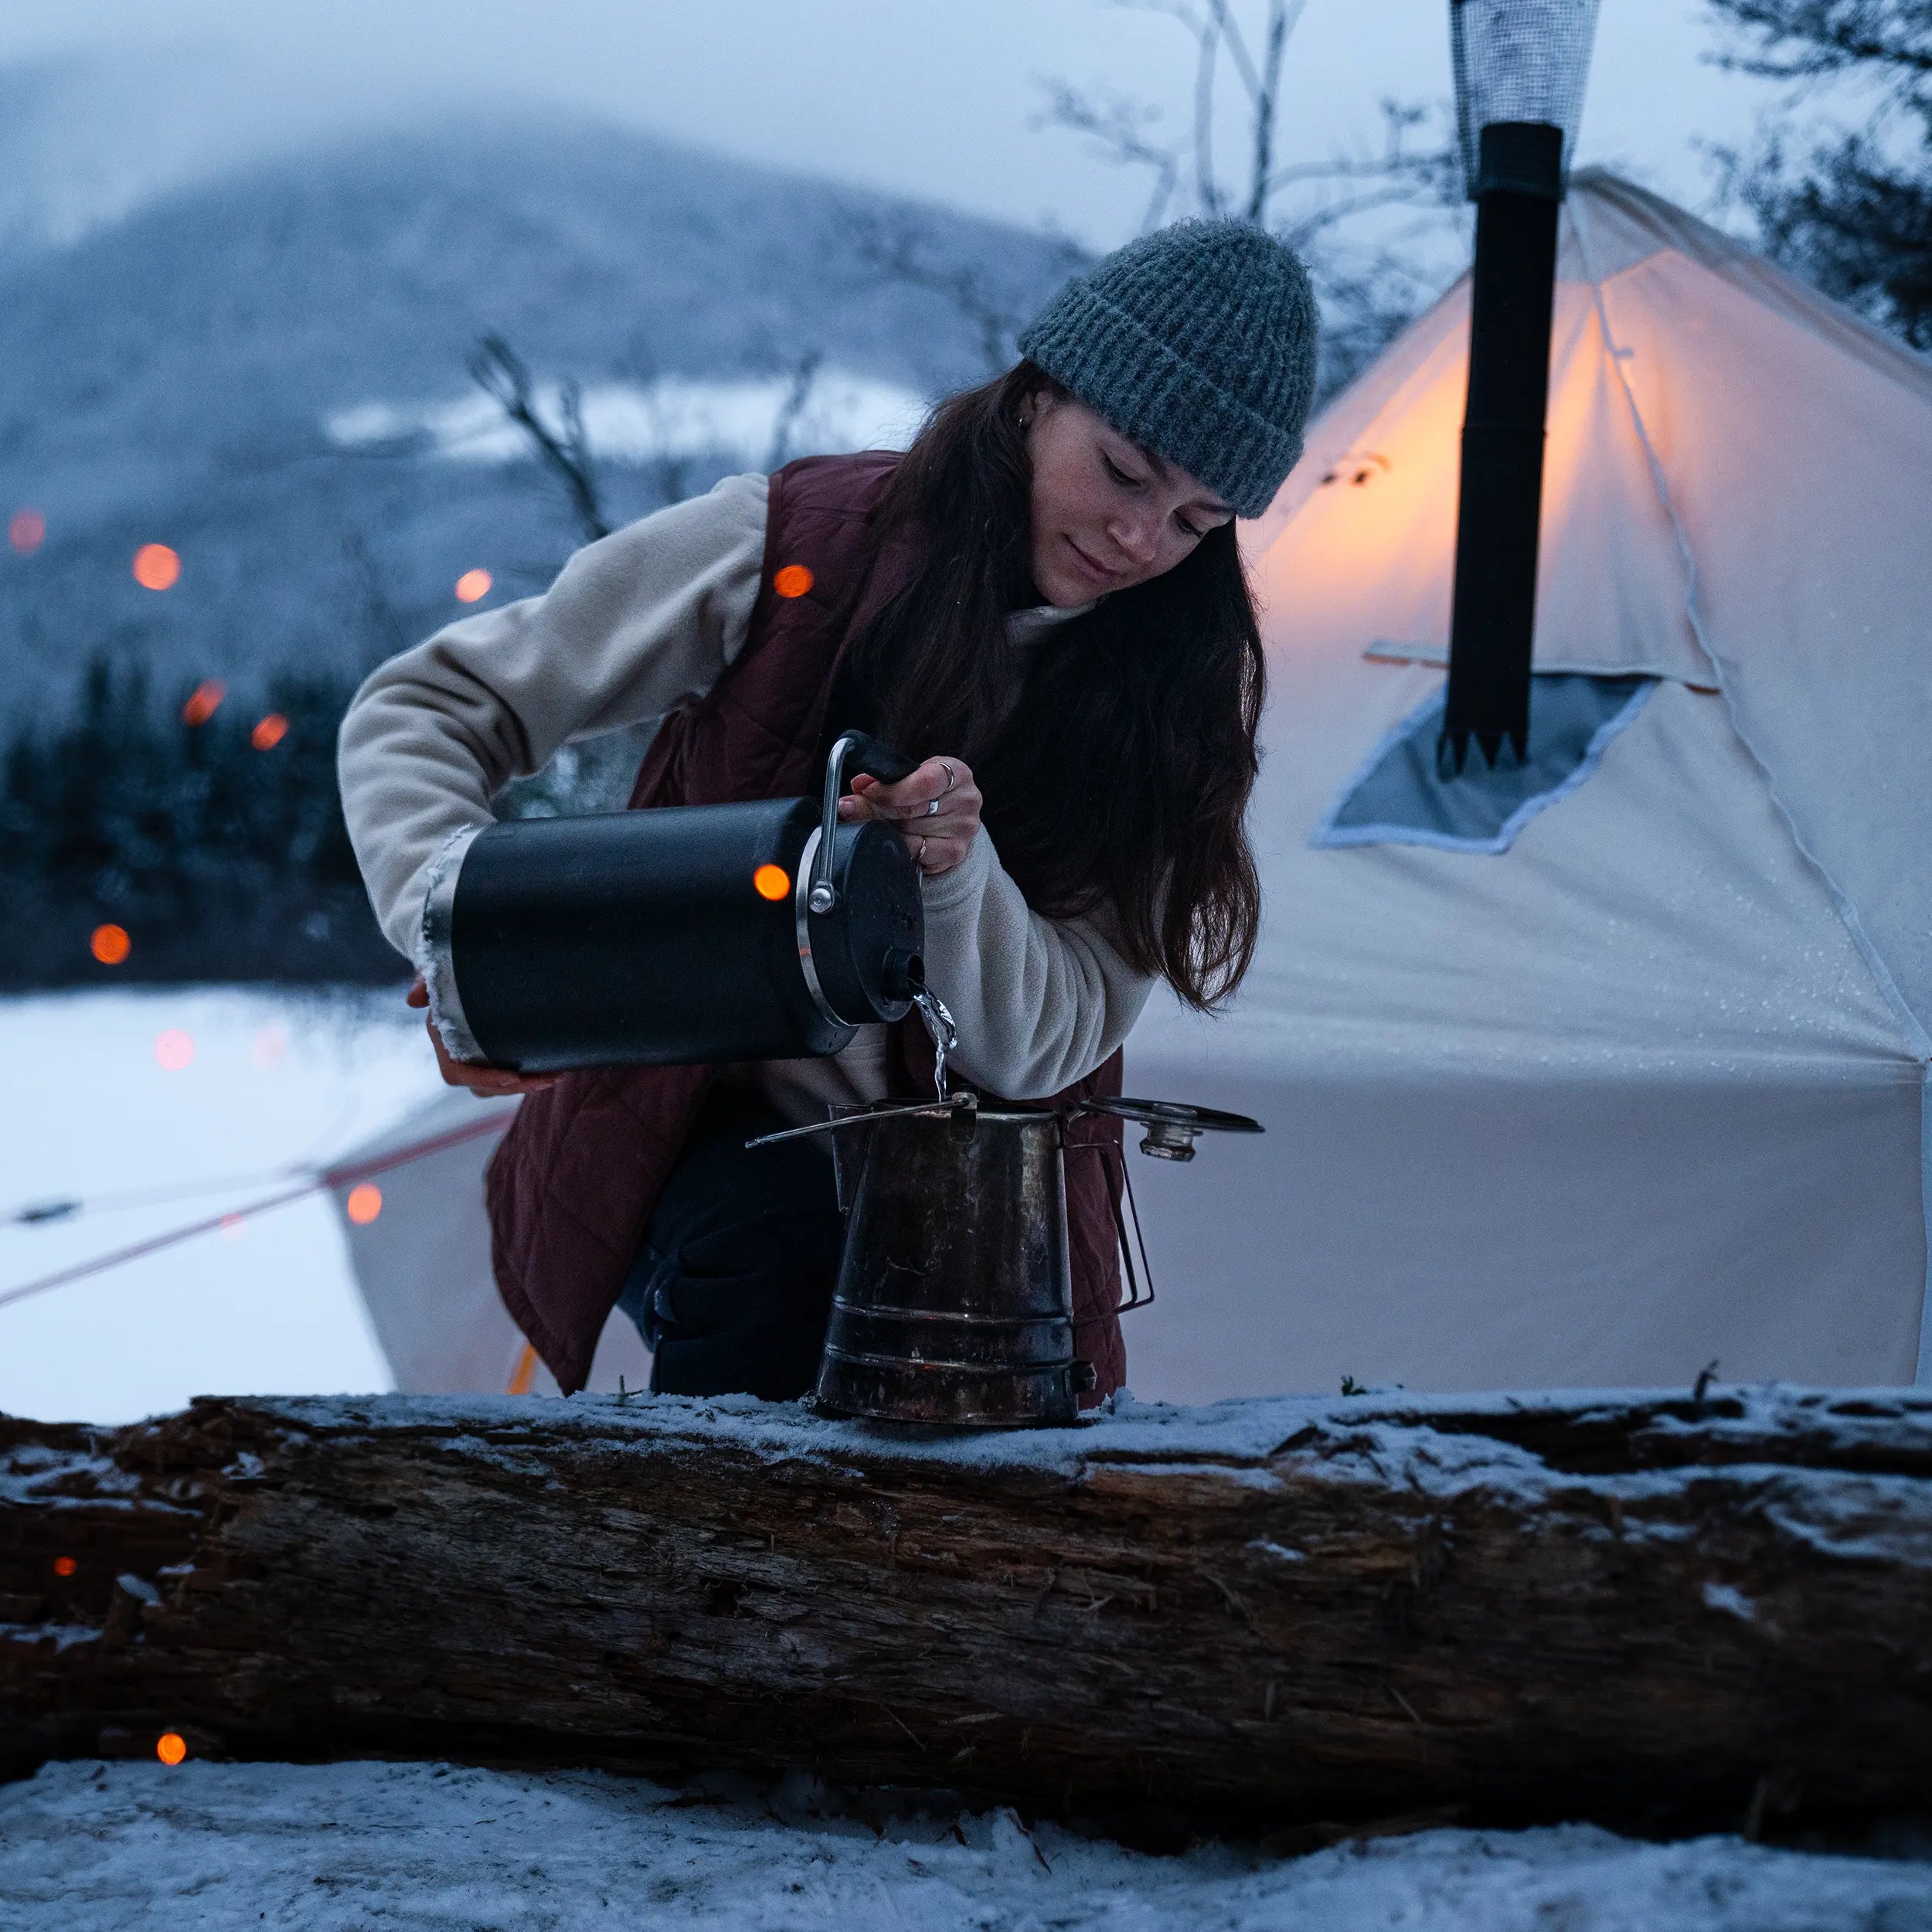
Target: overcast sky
x=935 y=97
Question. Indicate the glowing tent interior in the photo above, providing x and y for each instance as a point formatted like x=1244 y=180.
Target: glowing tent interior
x=1594 y=1080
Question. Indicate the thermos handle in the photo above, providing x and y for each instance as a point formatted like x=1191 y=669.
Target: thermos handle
x=854 y=752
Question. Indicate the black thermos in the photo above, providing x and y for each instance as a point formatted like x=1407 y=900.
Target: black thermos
x=676 y=936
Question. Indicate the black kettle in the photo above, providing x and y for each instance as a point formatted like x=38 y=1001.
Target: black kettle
x=676 y=936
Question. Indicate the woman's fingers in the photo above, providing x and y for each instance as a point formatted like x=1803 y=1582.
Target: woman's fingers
x=938 y=781
x=936 y=809
x=487 y=1083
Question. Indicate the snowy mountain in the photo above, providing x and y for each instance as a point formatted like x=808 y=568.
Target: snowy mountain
x=264 y=371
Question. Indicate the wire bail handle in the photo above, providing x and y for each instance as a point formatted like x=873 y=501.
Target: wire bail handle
x=857 y=751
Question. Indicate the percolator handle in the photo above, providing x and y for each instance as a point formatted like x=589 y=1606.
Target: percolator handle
x=853 y=751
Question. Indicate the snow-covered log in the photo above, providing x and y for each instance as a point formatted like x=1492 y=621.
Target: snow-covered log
x=1635 y=1607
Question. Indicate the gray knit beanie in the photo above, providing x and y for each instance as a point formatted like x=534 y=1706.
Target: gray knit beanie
x=1197 y=341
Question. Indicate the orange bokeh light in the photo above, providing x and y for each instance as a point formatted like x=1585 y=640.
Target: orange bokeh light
x=156 y=567
x=269 y=733
x=203 y=701
x=173 y=1049
x=792 y=581
x=109 y=944
x=364 y=1203
x=64 y=1565
x=473 y=586
x=171 y=1747
x=26 y=531
x=772 y=881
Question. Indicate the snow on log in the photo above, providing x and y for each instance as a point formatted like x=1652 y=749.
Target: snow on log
x=1628 y=1607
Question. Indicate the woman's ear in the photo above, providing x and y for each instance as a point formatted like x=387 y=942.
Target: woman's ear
x=1039 y=404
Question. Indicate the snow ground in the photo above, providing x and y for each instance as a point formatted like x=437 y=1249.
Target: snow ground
x=275 y=1079
x=86 y=1847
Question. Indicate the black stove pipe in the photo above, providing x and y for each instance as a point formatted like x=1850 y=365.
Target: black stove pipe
x=1492 y=619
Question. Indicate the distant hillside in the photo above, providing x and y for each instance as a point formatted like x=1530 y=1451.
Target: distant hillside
x=171 y=377
x=266 y=373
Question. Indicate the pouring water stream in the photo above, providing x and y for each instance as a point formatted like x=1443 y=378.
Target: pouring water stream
x=945 y=1033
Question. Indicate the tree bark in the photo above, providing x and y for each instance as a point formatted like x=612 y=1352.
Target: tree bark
x=1639 y=1608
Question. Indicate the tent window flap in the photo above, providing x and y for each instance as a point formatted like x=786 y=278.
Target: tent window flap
x=1398 y=797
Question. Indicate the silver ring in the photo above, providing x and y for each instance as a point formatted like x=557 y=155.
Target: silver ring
x=952 y=777
x=932 y=807
x=919 y=857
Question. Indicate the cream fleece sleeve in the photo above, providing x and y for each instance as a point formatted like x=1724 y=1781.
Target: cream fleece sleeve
x=1039 y=1003
x=634 y=626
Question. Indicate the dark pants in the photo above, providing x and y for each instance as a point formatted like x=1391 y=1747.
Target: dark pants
x=733 y=1286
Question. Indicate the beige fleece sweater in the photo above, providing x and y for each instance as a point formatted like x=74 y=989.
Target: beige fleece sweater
x=634 y=627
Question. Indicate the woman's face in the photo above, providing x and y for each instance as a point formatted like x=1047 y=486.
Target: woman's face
x=1108 y=514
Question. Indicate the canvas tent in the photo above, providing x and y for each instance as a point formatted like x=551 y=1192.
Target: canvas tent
x=1646 y=1088
x=1600 y=1078
x=423 y=1264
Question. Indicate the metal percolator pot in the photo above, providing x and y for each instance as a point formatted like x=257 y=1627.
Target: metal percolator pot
x=954 y=1300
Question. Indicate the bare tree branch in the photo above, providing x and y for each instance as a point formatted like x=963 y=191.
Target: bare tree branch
x=1851 y=211
x=1122 y=129
x=903 y=248
x=1431 y=172
x=1299 y=235
x=1118 y=126
x=1281 y=23
x=803 y=376
x=671 y=464
x=378 y=607
x=1207 y=185
x=500 y=373
x=1830 y=37
x=1230 y=30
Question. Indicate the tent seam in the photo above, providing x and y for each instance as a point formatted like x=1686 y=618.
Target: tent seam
x=1919 y=1041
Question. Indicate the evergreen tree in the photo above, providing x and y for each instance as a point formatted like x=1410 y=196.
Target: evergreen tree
x=1851 y=212
x=213 y=836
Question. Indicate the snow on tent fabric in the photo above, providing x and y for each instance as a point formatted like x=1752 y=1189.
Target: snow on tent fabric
x=1640 y=1084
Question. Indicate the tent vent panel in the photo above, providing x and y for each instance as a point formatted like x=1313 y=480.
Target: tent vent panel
x=1398 y=796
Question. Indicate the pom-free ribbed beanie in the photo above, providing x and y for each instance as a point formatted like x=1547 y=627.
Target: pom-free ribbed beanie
x=1197 y=341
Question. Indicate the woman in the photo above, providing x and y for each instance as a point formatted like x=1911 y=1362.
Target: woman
x=1042 y=601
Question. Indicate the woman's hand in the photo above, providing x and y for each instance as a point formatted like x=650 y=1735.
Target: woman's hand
x=936 y=809
x=487 y=1083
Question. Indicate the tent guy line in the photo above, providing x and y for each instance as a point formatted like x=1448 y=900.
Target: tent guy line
x=68 y=1207
x=315 y=1182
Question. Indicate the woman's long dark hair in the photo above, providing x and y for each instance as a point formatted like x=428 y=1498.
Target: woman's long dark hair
x=1120 y=775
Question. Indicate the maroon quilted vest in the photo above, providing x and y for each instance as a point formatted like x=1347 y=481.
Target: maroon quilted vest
x=571 y=1187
